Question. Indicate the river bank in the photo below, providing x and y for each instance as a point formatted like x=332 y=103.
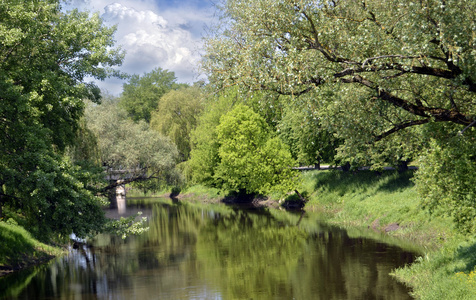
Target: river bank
x=386 y=203
x=379 y=204
x=19 y=250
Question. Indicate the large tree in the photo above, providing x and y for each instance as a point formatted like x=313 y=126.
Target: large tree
x=380 y=66
x=46 y=55
x=393 y=79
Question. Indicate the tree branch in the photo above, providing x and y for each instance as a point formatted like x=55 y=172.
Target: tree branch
x=464 y=129
x=438 y=114
x=400 y=127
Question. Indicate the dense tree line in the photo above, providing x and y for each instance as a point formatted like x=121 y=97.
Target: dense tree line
x=361 y=82
x=393 y=81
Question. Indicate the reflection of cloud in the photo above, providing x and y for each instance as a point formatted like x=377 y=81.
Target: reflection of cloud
x=153 y=37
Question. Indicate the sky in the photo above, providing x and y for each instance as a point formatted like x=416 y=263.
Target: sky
x=154 y=33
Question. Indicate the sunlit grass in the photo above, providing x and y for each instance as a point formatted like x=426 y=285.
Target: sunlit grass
x=380 y=201
x=19 y=249
x=203 y=191
x=445 y=274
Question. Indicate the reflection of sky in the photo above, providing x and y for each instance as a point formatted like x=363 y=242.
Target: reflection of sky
x=161 y=33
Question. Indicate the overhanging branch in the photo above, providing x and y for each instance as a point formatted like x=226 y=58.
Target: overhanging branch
x=400 y=127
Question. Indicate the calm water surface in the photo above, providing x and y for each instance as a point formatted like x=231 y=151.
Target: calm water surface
x=218 y=252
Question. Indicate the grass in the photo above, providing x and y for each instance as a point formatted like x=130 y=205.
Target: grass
x=445 y=274
x=388 y=203
x=18 y=249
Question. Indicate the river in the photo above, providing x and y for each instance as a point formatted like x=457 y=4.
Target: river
x=218 y=252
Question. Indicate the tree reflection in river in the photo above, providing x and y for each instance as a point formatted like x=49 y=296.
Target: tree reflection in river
x=224 y=253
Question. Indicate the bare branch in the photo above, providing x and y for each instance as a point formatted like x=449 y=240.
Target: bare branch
x=464 y=129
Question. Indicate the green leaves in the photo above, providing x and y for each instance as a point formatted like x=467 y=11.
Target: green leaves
x=446 y=180
x=45 y=57
x=389 y=65
x=176 y=116
x=249 y=159
x=141 y=95
x=126 y=145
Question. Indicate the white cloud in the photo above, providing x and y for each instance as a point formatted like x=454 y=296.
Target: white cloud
x=168 y=38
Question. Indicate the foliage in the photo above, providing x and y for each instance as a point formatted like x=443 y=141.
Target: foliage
x=176 y=116
x=309 y=142
x=250 y=159
x=46 y=55
x=444 y=274
x=131 y=148
x=373 y=67
x=141 y=95
x=446 y=179
x=204 y=146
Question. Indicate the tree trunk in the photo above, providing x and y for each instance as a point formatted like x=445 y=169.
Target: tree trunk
x=402 y=166
x=300 y=197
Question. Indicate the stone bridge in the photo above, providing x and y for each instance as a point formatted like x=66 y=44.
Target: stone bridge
x=119 y=178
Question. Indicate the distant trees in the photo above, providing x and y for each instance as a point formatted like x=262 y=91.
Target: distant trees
x=141 y=94
x=124 y=145
x=309 y=141
x=176 y=115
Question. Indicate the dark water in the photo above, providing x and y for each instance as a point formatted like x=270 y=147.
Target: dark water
x=219 y=253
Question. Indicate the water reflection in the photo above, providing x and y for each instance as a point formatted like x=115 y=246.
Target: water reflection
x=222 y=253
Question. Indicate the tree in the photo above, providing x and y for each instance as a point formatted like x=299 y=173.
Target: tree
x=141 y=95
x=387 y=66
x=310 y=143
x=45 y=57
x=250 y=160
x=131 y=147
x=446 y=180
x=176 y=116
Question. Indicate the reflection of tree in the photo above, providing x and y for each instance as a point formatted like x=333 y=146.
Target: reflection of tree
x=250 y=255
x=253 y=256
x=193 y=252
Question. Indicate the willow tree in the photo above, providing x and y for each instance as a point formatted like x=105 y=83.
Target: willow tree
x=387 y=76
x=177 y=114
x=381 y=66
x=131 y=150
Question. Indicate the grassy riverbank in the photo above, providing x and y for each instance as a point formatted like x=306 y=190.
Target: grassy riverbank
x=388 y=203
x=18 y=249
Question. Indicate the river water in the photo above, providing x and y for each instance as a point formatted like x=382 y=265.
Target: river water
x=218 y=252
